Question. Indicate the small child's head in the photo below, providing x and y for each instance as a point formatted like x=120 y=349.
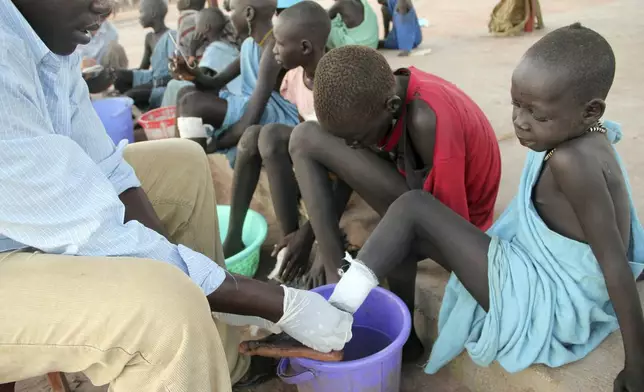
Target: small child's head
x=152 y=11
x=247 y=13
x=301 y=32
x=210 y=24
x=355 y=94
x=559 y=87
x=197 y=5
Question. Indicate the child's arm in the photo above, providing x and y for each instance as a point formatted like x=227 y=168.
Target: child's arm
x=147 y=54
x=268 y=71
x=336 y=9
x=217 y=82
x=581 y=179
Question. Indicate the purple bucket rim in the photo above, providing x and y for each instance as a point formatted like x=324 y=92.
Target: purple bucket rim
x=377 y=357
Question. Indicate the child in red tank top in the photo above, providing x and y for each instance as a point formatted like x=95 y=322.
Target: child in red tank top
x=374 y=124
x=466 y=169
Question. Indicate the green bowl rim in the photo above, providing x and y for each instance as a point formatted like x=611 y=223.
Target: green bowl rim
x=256 y=245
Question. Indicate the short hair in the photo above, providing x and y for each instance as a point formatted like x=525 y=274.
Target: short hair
x=160 y=6
x=351 y=84
x=310 y=18
x=211 y=18
x=583 y=55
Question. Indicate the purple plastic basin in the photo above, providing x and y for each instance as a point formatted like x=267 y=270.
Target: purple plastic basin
x=380 y=329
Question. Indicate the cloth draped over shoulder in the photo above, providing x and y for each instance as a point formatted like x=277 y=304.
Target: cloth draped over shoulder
x=405 y=33
x=158 y=74
x=366 y=34
x=278 y=109
x=548 y=299
x=510 y=17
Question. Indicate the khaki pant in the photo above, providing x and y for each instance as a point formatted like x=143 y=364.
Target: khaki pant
x=138 y=324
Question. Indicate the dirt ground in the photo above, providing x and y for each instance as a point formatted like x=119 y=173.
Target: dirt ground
x=464 y=53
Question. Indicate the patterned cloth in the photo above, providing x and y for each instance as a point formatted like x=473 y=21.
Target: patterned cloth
x=61 y=174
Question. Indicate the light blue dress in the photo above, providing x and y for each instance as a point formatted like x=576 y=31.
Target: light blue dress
x=548 y=298
x=278 y=109
x=158 y=72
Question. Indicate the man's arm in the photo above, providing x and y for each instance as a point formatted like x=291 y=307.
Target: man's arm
x=268 y=71
x=582 y=182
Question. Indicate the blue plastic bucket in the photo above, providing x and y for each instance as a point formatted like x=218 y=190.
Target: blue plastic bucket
x=116 y=116
x=373 y=357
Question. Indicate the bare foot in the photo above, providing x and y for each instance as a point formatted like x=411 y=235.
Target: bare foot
x=231 y=248
x=413 y=349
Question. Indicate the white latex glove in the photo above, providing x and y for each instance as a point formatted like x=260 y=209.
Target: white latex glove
x=354 y=287
x=312 y=321
x=239 y=321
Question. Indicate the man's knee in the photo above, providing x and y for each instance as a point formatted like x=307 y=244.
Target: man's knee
x=304 y=137
x=248 y=143
x=273 y=140
x=172 y=157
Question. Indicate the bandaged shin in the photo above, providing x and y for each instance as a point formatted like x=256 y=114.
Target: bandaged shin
x=354 y=287
x=191 y=127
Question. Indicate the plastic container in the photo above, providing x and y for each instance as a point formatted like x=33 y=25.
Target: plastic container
x=383 y=315
x=159 y=123
x=253 y=235
x=116 y=116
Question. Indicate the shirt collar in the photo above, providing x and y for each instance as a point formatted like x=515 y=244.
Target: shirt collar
x=12 y=21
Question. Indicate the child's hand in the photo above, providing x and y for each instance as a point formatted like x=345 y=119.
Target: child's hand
x=631 y=379
x=298 y=246
x=181 y=70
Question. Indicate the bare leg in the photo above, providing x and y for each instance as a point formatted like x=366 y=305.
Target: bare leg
x=315 y=153
x=247 y=168
x=205 y=105
x=418 y=222
x=273 y=148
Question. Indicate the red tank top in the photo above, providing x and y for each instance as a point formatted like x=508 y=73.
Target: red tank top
x=466 y=171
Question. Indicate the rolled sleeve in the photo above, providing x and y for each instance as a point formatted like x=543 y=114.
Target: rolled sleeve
x=118 y=171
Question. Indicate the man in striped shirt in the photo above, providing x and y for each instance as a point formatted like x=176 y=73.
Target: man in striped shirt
x=110 y=259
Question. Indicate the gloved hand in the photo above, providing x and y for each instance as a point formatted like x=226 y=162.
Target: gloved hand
x=314 y=322
x=354 y=286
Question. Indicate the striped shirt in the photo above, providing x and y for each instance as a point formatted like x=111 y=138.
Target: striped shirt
x=61 y=175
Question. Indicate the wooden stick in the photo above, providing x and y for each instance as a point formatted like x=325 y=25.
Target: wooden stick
x=58 y=382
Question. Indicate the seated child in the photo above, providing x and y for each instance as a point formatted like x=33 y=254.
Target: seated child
x=147 y=84
x=406 y=34
x=440 y=142
x=187 y=24
x=353 y=22
x=300 y=34
x=228 y=115
x=555 y=274
x=213 y=30
x=104 y=48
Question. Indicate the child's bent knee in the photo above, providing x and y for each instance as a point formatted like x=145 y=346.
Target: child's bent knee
x=408 y=201
x=303 y=137
x=248 y=143
x=273 y=141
